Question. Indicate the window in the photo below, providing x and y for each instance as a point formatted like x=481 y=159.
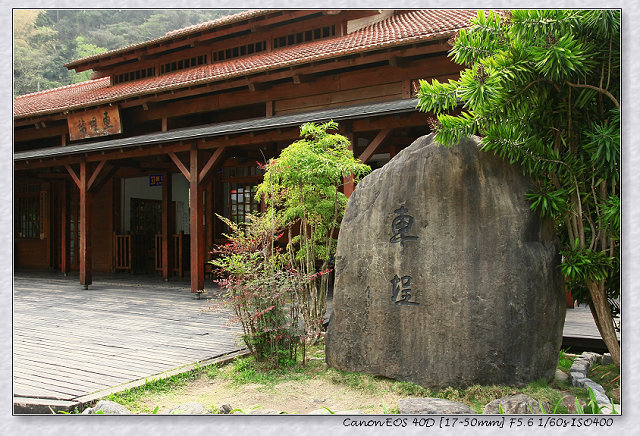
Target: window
x=134 y=75
x=309 y=35
x=183 y=64
x=240 y=185
x=27 y=212
x=241 y=201
x=242 y=50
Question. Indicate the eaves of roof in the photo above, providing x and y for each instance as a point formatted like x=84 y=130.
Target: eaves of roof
x=402 y=29
x=221 y=129
x=185 y=31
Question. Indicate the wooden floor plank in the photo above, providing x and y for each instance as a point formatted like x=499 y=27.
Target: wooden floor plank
x=70 y=342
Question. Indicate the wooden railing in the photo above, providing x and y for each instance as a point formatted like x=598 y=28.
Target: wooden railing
x=158 y=252
x=122 y=252
x=178 y=253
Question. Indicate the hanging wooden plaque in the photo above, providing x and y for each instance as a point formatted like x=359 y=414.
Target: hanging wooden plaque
x=96 y=122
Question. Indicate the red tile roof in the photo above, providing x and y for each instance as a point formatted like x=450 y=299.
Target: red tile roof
x=405 y=28
x=222 y=21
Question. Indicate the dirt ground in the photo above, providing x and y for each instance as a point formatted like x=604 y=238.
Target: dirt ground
x=294 y=397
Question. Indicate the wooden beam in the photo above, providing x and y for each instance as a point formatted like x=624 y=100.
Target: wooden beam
x=213 y=160
x=373 y=145
x=176 y=160
x=196 y=223
x=110 y=172
x=95 y=174
x=73 y=175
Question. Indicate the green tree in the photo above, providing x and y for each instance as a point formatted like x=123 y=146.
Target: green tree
x=84 y=50
x=302 y=186
x=542 y=90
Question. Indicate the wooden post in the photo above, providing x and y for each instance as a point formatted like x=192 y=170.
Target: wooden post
x=167 y=226
x=85 y=227
x=348 y=181
x=196 y=225
x=64 y=229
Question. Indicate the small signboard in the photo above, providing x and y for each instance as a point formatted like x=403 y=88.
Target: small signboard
x=155 y=180
x=92 y=123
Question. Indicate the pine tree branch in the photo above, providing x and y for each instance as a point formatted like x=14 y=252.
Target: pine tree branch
x=600 y=90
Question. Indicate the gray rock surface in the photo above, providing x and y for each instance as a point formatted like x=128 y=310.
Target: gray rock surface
x=519 y=404
x=561 y=376
x=444 y=276
x=190 y=408
x=432 y=406
x=225 y=409
x=108 y=408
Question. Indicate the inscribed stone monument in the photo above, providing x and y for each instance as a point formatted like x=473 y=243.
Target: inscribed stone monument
x=444 y=276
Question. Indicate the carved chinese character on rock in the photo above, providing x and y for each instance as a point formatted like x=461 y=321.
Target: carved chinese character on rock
x=401 y=226
x=401 y=290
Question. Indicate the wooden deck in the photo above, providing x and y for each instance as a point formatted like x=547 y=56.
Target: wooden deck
x=73 y=345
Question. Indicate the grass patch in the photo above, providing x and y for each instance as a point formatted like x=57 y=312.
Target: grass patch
x=130 y=398
x=565 y=362
x=608 y=376
x=246 y=371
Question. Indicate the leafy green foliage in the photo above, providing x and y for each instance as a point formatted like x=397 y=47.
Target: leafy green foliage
x=301 y=188
x=541 y=88
x=263 y=292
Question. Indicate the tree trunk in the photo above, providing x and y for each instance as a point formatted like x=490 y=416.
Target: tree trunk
x=604 y=320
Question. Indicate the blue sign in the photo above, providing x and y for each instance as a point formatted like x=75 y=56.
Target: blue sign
x=155 y=180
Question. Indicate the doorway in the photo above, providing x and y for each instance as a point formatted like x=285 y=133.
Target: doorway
x=146 y=222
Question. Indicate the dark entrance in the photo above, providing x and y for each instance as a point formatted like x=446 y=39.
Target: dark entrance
x=146 y=222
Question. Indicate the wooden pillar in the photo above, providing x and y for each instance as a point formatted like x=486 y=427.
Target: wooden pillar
x=64 y=228
x=348 y=181
x=85 y=227
x=196 y=224
x=167 y=226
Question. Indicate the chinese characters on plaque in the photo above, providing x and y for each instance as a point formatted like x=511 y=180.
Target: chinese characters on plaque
x=400 y=233
x=96 y=122
x=155 y=180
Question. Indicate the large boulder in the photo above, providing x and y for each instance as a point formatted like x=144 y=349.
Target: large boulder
x=444 y=276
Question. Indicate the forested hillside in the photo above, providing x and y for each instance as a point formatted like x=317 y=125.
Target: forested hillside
x=44 y=40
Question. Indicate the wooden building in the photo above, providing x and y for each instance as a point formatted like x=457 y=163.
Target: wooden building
x=125 y=172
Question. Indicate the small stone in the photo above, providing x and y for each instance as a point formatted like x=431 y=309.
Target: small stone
x=578 y=381
x=225 y=409
x=108 y=408
x=607 y=409
x=569 y=401
x=432 y=406
x=606 y=359
x=519 y=404
x=592 y=357
x=561 y=376
x=190 y=408
x=593 y=385
x=580 y=366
